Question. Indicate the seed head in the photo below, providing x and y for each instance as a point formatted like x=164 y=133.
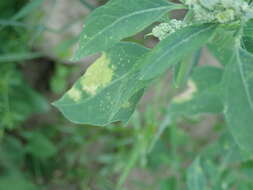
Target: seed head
x=162 y=30
x=220 y=11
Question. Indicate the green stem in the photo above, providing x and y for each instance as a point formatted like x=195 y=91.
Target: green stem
x=133 y=159
x=86 y=4
x=13 y=57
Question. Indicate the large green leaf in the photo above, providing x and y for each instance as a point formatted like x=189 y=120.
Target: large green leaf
x=109 y=24
x=109 y=90
x=238 y=97
x=170 y=50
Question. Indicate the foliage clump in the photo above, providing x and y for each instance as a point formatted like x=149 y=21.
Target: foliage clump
x=220 y=11
x=207 y=11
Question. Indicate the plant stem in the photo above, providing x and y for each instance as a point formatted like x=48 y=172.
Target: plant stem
x=86 y=4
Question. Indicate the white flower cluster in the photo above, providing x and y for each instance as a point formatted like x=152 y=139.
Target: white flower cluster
x=220 y=11
x=162 y=30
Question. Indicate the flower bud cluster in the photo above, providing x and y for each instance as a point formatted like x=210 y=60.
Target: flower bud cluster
x=162 y=30
x=220 y=11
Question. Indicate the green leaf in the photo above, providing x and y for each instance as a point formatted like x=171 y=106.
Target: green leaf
x=206 y=171
x=248 y=36
x=28 y=8
x=114 y=21
x=16 y=182
x=196 y=179
x=13 y=57
x=238 y=97
x=110 y=89
x=202 y=95
x=18 y=100
x=184 y=68
x=39 y=145
x=170 y=50
x=222 y=45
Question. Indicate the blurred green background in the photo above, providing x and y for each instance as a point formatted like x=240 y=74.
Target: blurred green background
x=41 y=150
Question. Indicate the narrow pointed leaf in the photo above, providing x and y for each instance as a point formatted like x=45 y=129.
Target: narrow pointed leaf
x=222 y=45
x=196 y=179
x=184 y=68
x=28 y=8
x=239 y=98
x=170 y=50
x=248 y=36
x=109 y=90
x=119 y=19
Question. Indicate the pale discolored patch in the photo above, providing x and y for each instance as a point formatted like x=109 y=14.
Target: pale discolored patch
x=187 y=94
x=74 y=94
x=97 y=75
x=126 y=105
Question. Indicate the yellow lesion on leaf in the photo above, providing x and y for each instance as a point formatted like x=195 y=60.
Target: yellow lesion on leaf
x=187 y=94
x=75 y=94
x=97 y=75
x=126 y=105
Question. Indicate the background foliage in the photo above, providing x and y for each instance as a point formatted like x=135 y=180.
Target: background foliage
x=166 y=145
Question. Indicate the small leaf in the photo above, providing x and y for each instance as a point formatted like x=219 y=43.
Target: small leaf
x=238 y=83
x=206 y=171
x=248 y=36
x=12 y=57
x=22 y=101
x=170 y=50
x=16 y=181
x=202 y=95
x=222 y=45
x=196 y=179
x=28 y=8
x=114 y=21
x=184 y=68
x=40 y=146
x=109 y=90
